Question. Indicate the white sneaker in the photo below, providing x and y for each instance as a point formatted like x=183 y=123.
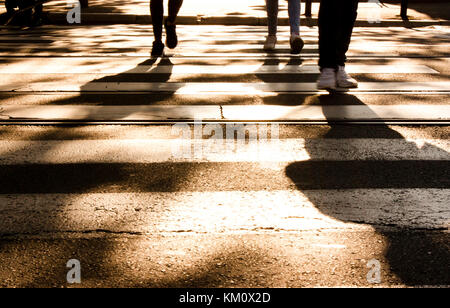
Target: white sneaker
x=270 y=43
x=327 y=79
x=344 y=80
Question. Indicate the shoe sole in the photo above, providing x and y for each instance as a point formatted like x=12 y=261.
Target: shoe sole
x=338 y=90
x=350 y=87
x=272 y=48
x=326 y=88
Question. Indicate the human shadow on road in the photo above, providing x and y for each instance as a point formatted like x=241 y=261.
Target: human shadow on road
x=145 y=72
x=283 y=76
x=399 y=198
x=126 y=89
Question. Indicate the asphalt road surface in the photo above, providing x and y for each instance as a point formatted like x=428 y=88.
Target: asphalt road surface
x=334 y=183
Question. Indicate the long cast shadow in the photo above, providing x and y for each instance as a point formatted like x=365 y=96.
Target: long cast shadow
x=416 y=256
x=160 y=72
x=36 y=179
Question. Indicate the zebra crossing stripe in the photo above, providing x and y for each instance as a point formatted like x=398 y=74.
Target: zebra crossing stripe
x=226 y=113
x=336 y=113
x=282 y=210
x=224 y=87
x=67 y=67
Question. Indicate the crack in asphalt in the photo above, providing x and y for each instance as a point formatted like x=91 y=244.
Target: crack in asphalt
x=221 y=112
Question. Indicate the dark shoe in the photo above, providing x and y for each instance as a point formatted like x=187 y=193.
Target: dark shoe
x=158 y=49
x=11 y=5
x=171 y=35
x=296 y=44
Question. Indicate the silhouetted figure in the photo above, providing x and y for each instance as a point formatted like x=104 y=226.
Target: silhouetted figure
x=404 y=10
x=294 y=20
x=157 y=12
x=336 y=22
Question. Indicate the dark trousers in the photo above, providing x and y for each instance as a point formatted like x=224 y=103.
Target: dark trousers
x=157 y=12
x=336 y=21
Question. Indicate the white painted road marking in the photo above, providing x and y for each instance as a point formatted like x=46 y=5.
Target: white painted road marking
x=225 y=212
x=59 y=66
x=217 y=87
x=230 y=113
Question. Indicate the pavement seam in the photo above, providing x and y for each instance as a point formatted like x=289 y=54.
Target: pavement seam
x=221 y=112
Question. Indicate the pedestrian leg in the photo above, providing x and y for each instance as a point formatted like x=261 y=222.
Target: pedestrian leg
x=348 y=14
x=294 y=21
x=170 y=23
x=272 y=16
x=174 y=9
x=294 y=16
x=272 y=22
x=157 y=12
x=328 y=32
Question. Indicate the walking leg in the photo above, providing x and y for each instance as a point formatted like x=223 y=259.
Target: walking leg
x=348 y=12
x=157 y=12
x=294 y=20
x=174 y=9
x=328 y=32
x=294 y=16
x=272 y=16
x=170 y=24
x=404 y=10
